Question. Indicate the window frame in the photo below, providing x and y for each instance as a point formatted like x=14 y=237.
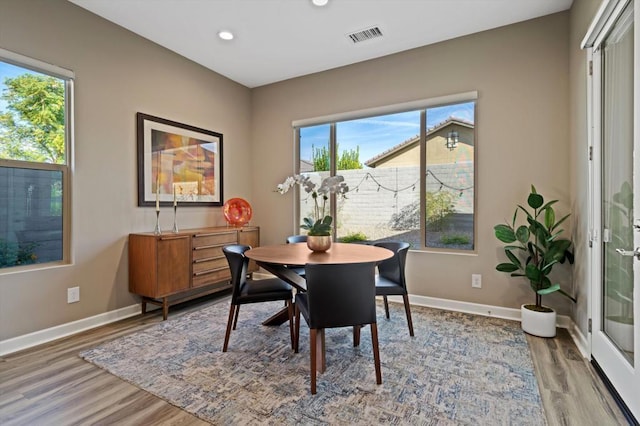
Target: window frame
x=66 y=168
x=419 y=105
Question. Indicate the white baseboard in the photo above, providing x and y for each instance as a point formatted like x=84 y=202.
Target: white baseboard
x=581 y=341
x=26 y=341
x=513 y=314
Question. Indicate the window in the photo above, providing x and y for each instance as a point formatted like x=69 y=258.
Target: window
x=449 y=179
x=35 y=100
x=411 y=174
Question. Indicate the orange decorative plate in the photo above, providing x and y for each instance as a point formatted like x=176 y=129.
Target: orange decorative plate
x=237 y=212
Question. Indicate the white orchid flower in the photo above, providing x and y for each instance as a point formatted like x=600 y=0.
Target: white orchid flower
x=329 y=185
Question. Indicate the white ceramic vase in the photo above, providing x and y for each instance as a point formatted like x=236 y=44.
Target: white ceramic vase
x=541 y=324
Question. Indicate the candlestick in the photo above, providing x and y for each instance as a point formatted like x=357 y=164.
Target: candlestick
x=175 y=200
x=157 y=228
x=158 y=184
x=175 y=221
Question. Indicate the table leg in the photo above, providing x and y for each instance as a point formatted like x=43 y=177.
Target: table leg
x=278 y=318
x=288 y=276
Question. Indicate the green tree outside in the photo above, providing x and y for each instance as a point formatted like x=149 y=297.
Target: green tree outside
x=32 y=125
x=348 y=159
x=321 y=158
x=440 y=209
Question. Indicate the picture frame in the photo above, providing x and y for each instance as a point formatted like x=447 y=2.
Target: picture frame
x=178 y=163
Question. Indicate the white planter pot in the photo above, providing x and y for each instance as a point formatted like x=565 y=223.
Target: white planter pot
x=541 y=324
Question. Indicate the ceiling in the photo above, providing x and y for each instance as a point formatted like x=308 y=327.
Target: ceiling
x=280 y=39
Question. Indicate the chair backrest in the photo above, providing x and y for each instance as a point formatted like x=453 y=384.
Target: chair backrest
x=296 y=239
x=393 y=268
x=341 y=295
x=238 y=264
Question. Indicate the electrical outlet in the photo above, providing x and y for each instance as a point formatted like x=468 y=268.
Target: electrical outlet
x=476 y=280
x=73 y=294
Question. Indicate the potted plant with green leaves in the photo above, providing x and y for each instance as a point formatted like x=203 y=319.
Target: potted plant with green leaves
x=320 y=225
x=533 y=249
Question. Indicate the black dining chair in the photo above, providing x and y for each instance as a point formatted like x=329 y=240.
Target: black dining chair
x=292 y=239
x=390 y=280
x=338 y=295
x=246 y=290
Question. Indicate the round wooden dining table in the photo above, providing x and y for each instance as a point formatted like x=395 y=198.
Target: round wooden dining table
x=276 y=258
x=299 y=254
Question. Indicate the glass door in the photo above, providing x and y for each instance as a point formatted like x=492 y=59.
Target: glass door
x=616 y=197
x=617 y=187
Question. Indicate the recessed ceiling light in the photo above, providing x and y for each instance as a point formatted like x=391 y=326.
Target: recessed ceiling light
x=225 y=35
x=320 y=2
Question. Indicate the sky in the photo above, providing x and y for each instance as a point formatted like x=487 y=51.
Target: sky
x=375 y=135
x=9 y=71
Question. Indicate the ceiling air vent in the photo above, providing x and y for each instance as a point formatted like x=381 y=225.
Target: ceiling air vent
x=364 y=35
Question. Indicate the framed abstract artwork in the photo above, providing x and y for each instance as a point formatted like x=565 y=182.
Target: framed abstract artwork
x=178 y=163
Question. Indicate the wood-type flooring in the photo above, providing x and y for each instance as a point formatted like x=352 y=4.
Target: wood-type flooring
x=50 y=385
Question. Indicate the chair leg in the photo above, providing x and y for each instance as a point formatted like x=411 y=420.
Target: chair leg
x=356 y=335
x=297 y=330
x=376 y=352
x=313 y=333
x=321 y=352
x=290 y=312
x=232 y=311
x=386 y=306
x=235 y=320
x=407 y=309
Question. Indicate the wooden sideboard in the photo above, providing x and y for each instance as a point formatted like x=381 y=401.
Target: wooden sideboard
x=172 y=267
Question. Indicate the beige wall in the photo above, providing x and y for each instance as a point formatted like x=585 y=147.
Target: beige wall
x=582 y=12
x=521 y=73
x=117 y=75
x=530 y=81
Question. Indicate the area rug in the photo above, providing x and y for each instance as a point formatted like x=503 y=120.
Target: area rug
x=459 y=369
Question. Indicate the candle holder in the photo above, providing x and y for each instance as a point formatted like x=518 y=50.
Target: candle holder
x=175 y=222
x=157 y=228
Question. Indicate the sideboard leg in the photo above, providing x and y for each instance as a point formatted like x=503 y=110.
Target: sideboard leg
x=144 y=306
x=165 y=308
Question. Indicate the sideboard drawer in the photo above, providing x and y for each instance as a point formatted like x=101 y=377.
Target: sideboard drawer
x=209 y=265
x=205 y=278
x=206 y=240
x=202 y=253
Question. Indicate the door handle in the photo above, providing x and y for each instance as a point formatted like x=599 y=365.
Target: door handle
x=635 y=253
